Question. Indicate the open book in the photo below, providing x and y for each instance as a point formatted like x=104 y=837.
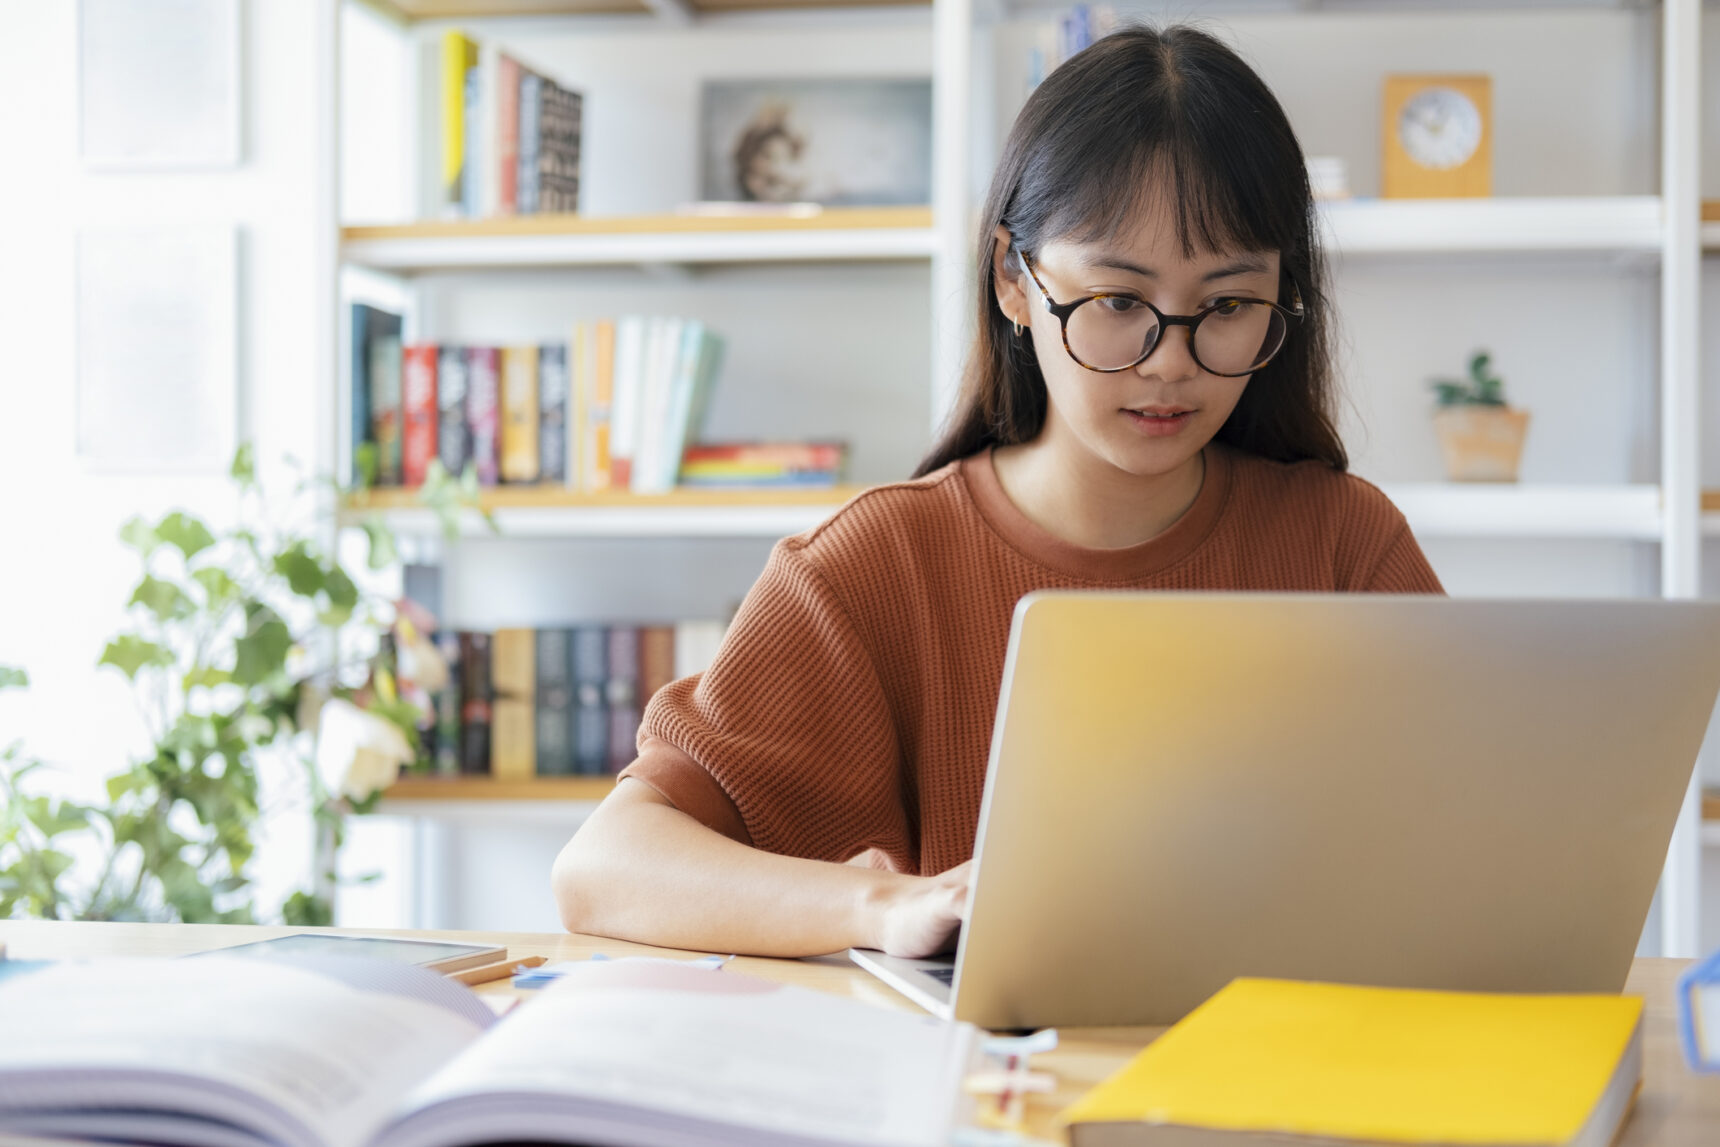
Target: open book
x=223 y=1051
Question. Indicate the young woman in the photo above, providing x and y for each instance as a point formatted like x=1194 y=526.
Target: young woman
x=1148 y=406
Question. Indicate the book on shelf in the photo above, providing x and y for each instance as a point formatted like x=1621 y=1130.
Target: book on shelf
x=476 y=698
x=593 y=395
x=555 y=701
x=453 y=432
x=338 y=1051
x=619 y=407
x=483 y=411
x=590 y=711
x=754 y=464
x=419 y=405
x=555 y=698
x=519 y=414
x=459 y=56
x=373 y=331
x=511 y=136
x=513 y=713
x=1278 y=1062
x=554 y=393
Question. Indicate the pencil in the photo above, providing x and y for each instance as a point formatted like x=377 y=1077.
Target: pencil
x=500 y=970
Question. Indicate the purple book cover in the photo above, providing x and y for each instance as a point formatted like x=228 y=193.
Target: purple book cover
x=483 y=411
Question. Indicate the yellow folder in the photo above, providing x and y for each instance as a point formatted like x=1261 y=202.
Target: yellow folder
x=1275 y=1058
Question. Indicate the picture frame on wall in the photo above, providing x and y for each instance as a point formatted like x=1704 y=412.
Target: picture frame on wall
x=159 y=85
x=157 y=348
x=834 y=142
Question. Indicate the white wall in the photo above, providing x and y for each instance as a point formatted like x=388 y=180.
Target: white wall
x=64 y=576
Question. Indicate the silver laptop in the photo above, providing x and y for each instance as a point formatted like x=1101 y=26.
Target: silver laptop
x=1421 y=792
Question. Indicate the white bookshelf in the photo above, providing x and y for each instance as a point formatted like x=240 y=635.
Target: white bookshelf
x=903 y=234
x=1618 y=195
x=1549 y=224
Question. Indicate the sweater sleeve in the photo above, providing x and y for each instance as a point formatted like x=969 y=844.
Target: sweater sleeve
x=787 y=742
x=1403 y=568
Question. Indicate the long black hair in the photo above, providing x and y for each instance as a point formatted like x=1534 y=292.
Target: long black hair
x=1147 y=116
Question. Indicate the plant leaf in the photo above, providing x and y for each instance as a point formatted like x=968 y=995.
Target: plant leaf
x=244 y=467
x=11 y=677
x=130 y=653
x=218 y=588
x=189 y=535
x=162 y=598
x=206 y=677
x=382 y=550
x=140 y=536
x=262 y=652
x=304 y=575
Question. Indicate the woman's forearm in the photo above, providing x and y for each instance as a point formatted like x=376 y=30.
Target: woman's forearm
x=640 y=869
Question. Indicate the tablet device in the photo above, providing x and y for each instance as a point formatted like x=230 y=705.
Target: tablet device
x=437 y=955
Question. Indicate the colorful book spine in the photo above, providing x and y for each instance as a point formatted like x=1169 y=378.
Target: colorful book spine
x=558 y=147
x=520 y=414
x=385 y=406
x=418 y=388
x=701 y=354
x=622 y=694
x=663 y=353
x=630 y=343
x=555 y=704
x=590 y=717
x=453 y=439
x=447 y=708
x=368 y=326
x=789 y=464
x=507 y=134
x=554 y=463
x=459 y=55
x=527 y=169
x=483 y=413
x=595 y=404
x=513 y=720
x=656 y=661
x=475 y=702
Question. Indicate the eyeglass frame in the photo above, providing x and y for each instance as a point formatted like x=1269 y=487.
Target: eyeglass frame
x=1063 y=310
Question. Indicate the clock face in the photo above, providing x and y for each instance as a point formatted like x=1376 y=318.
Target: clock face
x=1440 y=128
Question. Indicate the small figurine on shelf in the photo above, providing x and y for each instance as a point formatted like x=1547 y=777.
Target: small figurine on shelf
x=1480 y=436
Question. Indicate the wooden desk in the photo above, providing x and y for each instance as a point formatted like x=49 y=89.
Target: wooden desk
x=1677 y=1108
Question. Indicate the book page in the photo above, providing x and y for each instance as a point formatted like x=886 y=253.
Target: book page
x=680 y=1049
x=294 y=1054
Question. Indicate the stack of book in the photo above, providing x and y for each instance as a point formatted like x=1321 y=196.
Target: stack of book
x=612 y=409
x=565 y=701
x=764 y=464
x=510 y=135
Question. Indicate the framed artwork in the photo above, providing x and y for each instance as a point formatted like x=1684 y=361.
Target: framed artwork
x=158 y=84
x=157 y=354
x=838 y=142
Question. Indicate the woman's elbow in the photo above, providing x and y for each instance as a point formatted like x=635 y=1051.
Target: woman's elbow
x=569 y=881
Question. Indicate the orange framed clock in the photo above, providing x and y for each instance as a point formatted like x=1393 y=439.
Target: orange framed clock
x=1438 y=137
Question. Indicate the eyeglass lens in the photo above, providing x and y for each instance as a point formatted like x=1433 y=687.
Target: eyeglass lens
x=1236 y=338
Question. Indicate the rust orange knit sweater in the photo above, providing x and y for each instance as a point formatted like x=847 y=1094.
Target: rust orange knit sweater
x=851 y=705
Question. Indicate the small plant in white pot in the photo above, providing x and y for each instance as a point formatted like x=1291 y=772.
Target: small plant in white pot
x=1480 y=435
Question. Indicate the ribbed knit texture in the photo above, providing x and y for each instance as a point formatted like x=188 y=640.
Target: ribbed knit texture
x=851 y=705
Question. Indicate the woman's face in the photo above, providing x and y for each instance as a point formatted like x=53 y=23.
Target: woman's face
x=1155 y=417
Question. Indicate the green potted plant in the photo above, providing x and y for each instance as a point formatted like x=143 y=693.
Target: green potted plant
x=1480 y=434
x=242 y=642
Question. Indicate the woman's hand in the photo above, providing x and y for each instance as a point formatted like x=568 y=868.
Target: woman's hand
x=921 y=915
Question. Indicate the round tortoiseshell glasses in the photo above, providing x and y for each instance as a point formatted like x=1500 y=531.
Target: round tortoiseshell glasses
x=1113 y=332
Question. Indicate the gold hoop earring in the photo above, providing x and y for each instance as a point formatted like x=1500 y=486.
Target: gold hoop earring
x=1017 y=327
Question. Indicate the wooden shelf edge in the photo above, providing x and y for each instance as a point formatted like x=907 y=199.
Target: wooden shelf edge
x=560 y=498
x=828 y=219
x=489 y=788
